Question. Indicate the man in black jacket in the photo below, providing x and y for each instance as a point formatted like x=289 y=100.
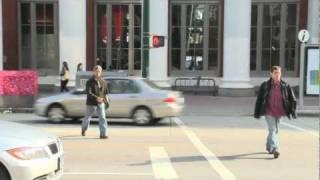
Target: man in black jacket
x=275 y=100
x=97 y=99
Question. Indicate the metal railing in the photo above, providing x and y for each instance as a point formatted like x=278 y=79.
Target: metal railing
x=196 y=85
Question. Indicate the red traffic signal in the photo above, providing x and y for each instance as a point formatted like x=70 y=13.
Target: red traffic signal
x=156 y=41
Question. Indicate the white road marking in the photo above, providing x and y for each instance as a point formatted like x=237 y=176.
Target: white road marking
x=215 y=163
x=107 y=173
x=161 y=165
x=300 y=129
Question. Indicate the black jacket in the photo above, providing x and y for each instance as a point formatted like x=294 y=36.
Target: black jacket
x=93 y=90
x=288 y=98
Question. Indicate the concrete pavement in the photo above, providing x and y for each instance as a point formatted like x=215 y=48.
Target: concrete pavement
x=221 y=140
x=203 y=147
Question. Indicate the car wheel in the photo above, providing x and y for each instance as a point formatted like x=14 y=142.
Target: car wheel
x=56 y=114
x=142 y=116
x=4 y=174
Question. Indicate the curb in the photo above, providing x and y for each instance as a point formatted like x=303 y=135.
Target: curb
x=308 y=112
x=16 y=110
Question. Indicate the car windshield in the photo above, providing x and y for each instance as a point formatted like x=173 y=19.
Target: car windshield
x=152 y=84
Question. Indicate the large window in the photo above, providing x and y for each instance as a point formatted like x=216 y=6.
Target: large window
x=274 y=28
x=194 y=39
x=118 y=36
x=38 y=36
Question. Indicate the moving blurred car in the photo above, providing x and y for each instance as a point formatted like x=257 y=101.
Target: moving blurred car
x=29 y=153
x=130 y=97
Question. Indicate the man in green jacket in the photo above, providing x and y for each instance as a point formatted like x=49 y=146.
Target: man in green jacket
x=97 y=99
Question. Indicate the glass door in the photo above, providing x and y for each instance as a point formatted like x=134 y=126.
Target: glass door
x=38 y=37
x=118 y=36
x=194 y=44
x=46 y=38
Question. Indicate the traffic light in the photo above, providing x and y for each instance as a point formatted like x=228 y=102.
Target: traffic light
x=156 y=41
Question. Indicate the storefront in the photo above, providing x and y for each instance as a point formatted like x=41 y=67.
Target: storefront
x=209 y=38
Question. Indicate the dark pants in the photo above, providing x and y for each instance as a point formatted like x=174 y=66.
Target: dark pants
x=63 y=85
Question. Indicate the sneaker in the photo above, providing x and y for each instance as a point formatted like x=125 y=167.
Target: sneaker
x=83 y=133
x=276 y=154
x=103 y=137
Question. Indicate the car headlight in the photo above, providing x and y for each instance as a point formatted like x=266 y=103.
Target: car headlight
x=28 y=153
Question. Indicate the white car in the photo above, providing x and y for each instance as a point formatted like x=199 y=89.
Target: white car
x=27 y=153
x=130 y=97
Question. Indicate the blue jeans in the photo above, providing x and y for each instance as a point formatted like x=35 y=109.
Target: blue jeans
x=272 y=139
x=102 y=118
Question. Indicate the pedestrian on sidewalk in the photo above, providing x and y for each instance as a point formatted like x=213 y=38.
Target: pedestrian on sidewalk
x=274 y=101
x=97 y=99
x=64 y=77
x=79 y=67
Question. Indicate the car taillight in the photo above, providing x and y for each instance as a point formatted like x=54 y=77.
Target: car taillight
x=169 y=100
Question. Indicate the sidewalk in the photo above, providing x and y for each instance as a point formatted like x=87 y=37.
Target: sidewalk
x=236 y=106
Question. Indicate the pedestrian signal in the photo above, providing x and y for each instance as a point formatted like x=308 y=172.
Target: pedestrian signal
x=156 y=41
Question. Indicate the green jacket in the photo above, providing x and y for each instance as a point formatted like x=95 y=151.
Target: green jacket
x=93 y=90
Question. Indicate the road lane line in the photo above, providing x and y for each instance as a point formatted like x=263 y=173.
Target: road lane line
x=215 y=163
x=107 y=173
x=300 y=129
x=161 y=164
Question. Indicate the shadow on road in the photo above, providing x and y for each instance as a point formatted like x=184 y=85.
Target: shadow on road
x=93 y=122
x=201 y=158
x=245 y=156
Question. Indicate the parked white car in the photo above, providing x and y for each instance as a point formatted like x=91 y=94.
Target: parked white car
x=27 y=153
x=130 y=97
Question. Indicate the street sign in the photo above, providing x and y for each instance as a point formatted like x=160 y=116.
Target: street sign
x=309 y=84
x=303 y=35
x=312 y=70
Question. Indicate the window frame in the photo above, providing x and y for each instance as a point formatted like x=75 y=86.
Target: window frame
x=33 y=35
x=258 y=72
x=113 y=80
x=205 y=49
x=131 y=30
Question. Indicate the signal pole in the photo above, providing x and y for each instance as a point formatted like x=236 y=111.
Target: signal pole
x=145 y=39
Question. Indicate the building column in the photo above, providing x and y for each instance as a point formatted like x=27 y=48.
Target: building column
x=1 y=38
x=158 y=57
x=72 y=29
x=236 y=49
x=313 y=21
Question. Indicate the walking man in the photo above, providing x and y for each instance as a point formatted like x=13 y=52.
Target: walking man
x=275 y=100
x=97 y=99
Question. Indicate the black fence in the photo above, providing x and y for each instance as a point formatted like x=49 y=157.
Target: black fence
x=196 y=85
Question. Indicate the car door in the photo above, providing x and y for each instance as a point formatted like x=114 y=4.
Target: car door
x=75 y=104
x=124 y=95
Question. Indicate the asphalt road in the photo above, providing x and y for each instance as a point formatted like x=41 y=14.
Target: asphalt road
x=204 y=145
